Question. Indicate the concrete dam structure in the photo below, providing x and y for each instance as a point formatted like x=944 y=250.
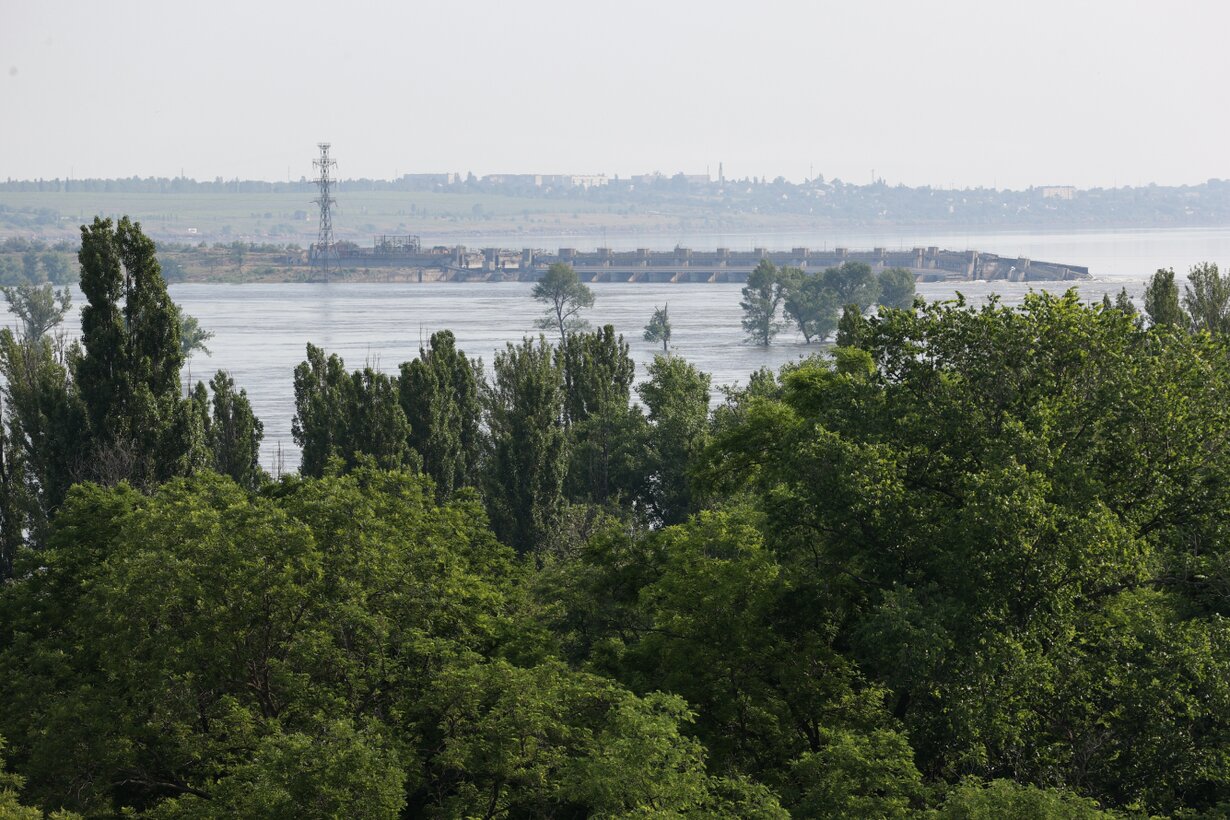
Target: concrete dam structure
x=405 y=255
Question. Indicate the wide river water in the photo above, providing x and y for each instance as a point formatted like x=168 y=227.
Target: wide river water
x=260 y=330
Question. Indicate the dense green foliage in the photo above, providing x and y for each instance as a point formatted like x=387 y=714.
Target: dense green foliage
x=529 y=444
x=346 y=416
x=1207 y=298
x=971 y=565
x=127 y=376
x=1162 y=301
x=441 y=397
x=109 y=408
x=26 y=263
x=232 y=433
x=607 y=433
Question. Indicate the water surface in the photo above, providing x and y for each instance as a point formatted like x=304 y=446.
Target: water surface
x=261 y=330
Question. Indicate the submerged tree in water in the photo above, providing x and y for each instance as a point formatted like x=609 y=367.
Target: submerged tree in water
x=565 y=296
x=659 y=328
x=762 y=296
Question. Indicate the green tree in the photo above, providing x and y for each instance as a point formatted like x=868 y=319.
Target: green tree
x=606 y=432
x=706 y=612
x=192 y=337
x=597 y=370
x=441 y=395
x=13 y=517
x=347 y=416
x=39 y=308
x=128 y=373
x=271 y=653
x=238 y=253
x=856 y=774
x=541 y=741
x=46 y=427
x=1207 y=298
x=853 y=327
x=565 y=296
x=659 y=328
x=762 y=296
x=322 y=403
x=233 y=434
x=529 y=444
x=333 y=770
x=55 y=265
x=853 y=283
x=677 y=398
x=1162 y=300
x=31 y=270
x=39 y=445
x=10 y=805
x=811 y=305
x=999 y=497
x=896 y=286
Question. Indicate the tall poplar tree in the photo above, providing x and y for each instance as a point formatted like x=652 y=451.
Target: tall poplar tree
x=529 y=444
x=46 y=425
x=440 y=394
x=12 y=518
x=605 y=430
x=677 y=395
x=128 y=374
x=347 y=416
x=1162 y=300
x=233 y=433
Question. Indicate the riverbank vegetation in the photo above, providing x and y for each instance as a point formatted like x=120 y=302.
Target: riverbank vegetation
x=971 y=563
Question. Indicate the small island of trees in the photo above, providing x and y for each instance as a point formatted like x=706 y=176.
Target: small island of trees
x=813 y=302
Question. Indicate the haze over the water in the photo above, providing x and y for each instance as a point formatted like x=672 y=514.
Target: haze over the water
x=957 y=93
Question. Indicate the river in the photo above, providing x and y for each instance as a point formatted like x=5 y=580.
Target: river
x=260 y=330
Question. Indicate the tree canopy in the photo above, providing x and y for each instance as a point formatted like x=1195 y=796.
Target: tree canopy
x=969 y=562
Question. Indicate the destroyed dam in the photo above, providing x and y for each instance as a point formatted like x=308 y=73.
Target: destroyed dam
x=403 y=258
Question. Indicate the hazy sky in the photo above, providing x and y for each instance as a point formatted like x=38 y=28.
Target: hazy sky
x=941 y=93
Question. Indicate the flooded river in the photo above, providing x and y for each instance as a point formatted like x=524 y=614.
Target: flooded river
x=260 y=330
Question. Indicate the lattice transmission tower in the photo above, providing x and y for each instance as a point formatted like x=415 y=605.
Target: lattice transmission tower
x=324 y=250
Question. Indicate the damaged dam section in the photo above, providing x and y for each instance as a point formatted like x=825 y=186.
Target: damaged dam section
x=403 y=258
